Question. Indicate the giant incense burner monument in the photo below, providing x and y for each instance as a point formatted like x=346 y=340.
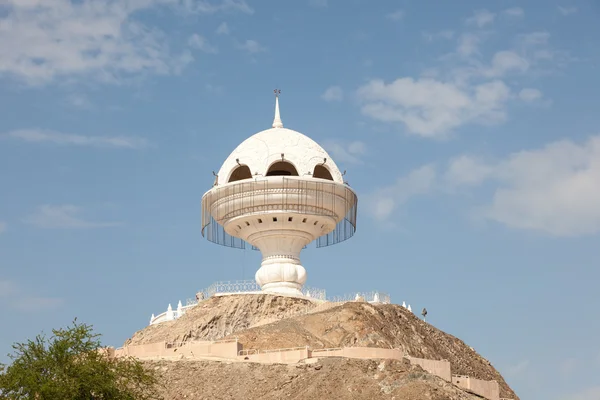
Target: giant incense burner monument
x=278 y=191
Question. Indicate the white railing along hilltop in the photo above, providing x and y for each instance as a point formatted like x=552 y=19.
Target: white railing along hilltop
x=250 y=286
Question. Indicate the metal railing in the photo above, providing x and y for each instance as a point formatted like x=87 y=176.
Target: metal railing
x=370 y=297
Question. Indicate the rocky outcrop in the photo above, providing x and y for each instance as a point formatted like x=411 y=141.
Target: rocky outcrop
x=351 y=324
x=336 y=378
x=218 y=317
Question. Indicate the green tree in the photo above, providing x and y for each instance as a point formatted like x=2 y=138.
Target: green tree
x=71 y=365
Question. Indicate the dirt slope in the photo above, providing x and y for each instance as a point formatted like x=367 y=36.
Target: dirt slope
x=220 y=316
x=363 y=324
x=334 y=378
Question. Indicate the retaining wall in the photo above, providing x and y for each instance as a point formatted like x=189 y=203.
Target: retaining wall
x=289 y=356
x=440 y=368
x=488 y=389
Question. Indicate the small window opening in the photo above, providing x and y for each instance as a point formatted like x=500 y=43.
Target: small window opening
x=282 y=168
x=304 y=221
x=239 y=227
x=247 y=223
x=316 y=222
x=260 y=221
x=290 y=219
x=241 y=172
x=322 y=172
x=274 y=219
x=322 y=226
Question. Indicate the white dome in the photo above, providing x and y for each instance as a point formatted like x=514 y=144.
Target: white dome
x=261 y=151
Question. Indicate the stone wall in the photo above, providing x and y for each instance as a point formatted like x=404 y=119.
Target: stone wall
x=440 y=368
x=232 y=350
x=488 y=389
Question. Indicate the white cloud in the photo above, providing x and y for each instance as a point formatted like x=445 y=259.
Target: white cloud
x=345 y=152
x=534 y=38
x=333 y=93
x=481 y=18
x=395 y=15
x=2 y=227
x=223 y=29
x=468 y=44
x=465 y=170
x=567 y=10
x=530 y=94
x=79 y=100
x=63 y=217
x=514 y=12
x=252 y=46
x=506 y=61
x=36 y=136
x=445 y=34
x=41 y=41
x=201 y=43
x=384 y=201
x=554 y=189
x=432 y=108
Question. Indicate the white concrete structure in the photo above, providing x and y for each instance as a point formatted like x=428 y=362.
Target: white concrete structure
x=279 y=191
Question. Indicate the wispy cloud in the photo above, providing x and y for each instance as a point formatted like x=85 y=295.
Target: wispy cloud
x=39 y=136
x=65 y=216
x=432 y=108
x=79 y=100
x=333 y=93
x=212 y=7
x=3 y=226
x=18 y=298
x=397 y=15
x=345 y=152
x=516 y=12
x=481 y=18
x=553 y=189
x=199 y=42
x=567 y=10
x=222 y=29
x=468 y=44
x=445 y=34
x=252 y=46
x=384 y=201
x=41 y=41
x=530 y=94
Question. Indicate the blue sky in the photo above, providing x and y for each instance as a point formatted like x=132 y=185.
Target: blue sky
x=469 y=130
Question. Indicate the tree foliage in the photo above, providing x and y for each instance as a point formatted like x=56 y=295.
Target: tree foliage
x=71 y=365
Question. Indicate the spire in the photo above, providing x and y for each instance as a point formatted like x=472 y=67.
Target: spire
x=277 y=120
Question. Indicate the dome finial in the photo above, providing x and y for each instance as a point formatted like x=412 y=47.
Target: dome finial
x=277 y=120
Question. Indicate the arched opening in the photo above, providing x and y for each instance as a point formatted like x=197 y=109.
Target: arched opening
x=322 y=173
x=282 y=168
x=241 y=172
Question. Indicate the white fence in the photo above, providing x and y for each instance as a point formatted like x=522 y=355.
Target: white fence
x=250 y=286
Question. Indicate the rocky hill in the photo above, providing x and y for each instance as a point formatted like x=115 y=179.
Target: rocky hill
x=332 y=378
x=294 y=324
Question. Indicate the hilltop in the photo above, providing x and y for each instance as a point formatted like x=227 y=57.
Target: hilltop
x=264 y=321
